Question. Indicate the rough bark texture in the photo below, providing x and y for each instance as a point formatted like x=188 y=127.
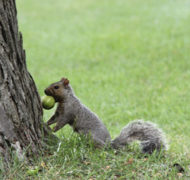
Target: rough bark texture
x=21 y=124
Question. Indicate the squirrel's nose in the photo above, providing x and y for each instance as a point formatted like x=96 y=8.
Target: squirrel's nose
x=46 y=91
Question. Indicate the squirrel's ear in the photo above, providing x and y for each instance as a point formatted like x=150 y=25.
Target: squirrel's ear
x=65 y=81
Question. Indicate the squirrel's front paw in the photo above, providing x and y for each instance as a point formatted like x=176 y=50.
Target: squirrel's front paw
x=55 y=128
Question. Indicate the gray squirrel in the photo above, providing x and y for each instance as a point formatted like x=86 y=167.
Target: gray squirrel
x=83 y=121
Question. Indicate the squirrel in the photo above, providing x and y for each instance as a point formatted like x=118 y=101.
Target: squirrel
x=83 y=121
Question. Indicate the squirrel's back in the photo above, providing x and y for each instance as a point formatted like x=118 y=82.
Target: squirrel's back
x=87 y=121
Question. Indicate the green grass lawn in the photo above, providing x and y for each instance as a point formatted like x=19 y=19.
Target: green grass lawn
x=125 y=60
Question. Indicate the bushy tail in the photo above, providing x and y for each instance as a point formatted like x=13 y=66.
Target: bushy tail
x=151 y=137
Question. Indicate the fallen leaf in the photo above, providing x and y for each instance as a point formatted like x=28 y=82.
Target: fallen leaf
x=86 y=162
x=107 y=167
x=180 y=174
x=130 y=161
x=43 y=164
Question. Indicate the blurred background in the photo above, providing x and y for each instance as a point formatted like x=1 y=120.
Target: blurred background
x=125 y=60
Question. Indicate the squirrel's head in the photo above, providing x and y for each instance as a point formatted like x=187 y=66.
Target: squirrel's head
x=58 y=90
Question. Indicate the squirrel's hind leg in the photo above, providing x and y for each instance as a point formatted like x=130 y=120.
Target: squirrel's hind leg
x=98 y=143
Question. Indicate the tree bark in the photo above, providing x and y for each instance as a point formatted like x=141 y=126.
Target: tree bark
x=21 y=126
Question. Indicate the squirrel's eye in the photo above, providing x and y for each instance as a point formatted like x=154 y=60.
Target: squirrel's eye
x=56 y=87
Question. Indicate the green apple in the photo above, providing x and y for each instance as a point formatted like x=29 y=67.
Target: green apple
x=48 y=102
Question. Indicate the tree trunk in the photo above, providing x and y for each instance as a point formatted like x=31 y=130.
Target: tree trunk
x=21 y=126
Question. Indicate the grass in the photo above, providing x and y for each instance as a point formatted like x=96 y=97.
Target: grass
x=126 y=60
